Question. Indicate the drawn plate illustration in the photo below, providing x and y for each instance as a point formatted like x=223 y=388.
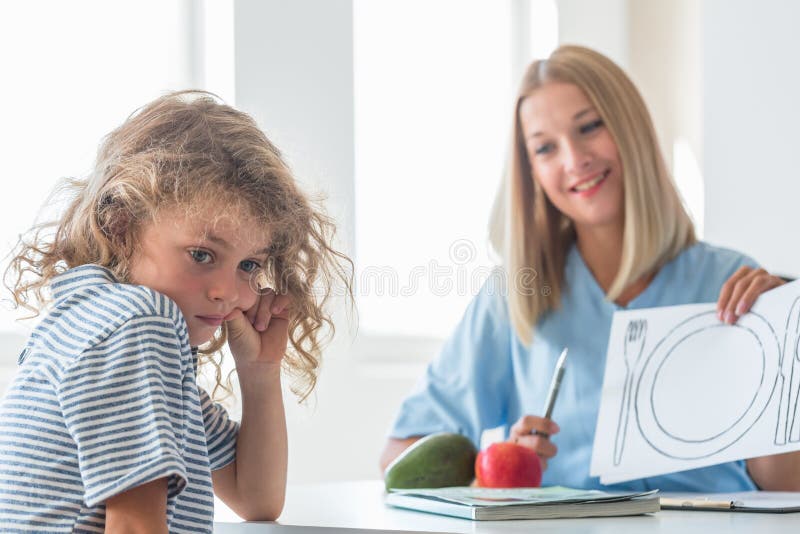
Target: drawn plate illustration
x=748 y=360
x=683 y=390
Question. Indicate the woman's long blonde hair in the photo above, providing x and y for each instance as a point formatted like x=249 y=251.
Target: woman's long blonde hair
x=182 y=151
x=533 y=236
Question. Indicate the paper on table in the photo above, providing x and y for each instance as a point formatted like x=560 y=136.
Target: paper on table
x=683 y=390
x=782 y=501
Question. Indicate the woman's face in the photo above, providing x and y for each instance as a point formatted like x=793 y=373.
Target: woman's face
x=573 y=156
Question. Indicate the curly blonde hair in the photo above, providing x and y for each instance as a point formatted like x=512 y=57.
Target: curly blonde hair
x=187 y=149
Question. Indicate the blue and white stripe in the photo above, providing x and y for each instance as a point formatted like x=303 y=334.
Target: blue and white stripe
x=106 y=400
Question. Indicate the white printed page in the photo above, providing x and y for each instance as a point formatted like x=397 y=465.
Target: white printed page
x=683 y=390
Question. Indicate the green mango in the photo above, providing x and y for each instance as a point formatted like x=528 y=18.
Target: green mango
x=435 y=461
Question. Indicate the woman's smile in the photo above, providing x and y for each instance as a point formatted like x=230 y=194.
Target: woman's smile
x=589 y=186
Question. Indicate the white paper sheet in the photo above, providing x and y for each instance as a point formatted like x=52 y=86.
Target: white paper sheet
x=683 y=390
x=743 y=500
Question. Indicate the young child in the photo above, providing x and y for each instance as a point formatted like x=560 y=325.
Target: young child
x=165 y=248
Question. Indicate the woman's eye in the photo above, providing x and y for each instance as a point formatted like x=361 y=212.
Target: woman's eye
x=249 y=266
x=200 y=256
x=544 y=149
x=592 y=126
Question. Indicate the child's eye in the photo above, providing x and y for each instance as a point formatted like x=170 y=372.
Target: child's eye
x=590 y=127
x=249 y=266
x=200 y=256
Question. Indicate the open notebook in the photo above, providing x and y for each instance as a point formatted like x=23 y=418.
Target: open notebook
x=523 y=503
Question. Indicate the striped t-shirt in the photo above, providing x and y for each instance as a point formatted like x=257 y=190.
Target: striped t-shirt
x=105 y=400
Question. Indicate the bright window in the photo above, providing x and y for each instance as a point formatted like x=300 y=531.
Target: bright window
x=73 y=71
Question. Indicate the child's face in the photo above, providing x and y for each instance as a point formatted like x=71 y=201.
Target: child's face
x=205 y=268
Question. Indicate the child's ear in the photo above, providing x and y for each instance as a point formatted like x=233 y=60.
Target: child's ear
x=115 y=221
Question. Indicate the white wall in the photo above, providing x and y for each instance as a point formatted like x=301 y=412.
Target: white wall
x=751 y=138
x=599 y=24
x=665 y=50
x=294 y=74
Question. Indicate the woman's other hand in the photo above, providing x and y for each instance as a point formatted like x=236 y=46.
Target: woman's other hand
x=741 y=290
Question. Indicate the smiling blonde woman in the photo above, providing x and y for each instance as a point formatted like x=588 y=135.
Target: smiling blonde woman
x=588 y=222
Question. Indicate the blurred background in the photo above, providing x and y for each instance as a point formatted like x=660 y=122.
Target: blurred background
x=398 y=112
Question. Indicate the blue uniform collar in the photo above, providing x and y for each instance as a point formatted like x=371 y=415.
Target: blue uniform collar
x=578 y=271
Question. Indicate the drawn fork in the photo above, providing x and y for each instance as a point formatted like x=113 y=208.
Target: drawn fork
x=634 y=345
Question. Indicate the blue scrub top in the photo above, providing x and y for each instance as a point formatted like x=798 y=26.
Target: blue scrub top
x=485 y=377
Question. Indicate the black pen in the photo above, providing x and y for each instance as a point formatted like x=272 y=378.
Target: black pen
x=555 y=384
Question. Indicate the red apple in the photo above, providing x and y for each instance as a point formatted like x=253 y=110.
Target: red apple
x=508 y=465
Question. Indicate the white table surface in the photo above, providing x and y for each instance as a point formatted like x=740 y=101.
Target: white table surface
x=350 y=506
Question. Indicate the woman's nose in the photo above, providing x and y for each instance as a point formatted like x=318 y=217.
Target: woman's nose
x=576 y=156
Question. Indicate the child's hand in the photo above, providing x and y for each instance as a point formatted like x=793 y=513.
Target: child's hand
x=260 y=334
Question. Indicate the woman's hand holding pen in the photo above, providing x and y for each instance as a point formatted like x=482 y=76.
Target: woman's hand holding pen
x=533 y=432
